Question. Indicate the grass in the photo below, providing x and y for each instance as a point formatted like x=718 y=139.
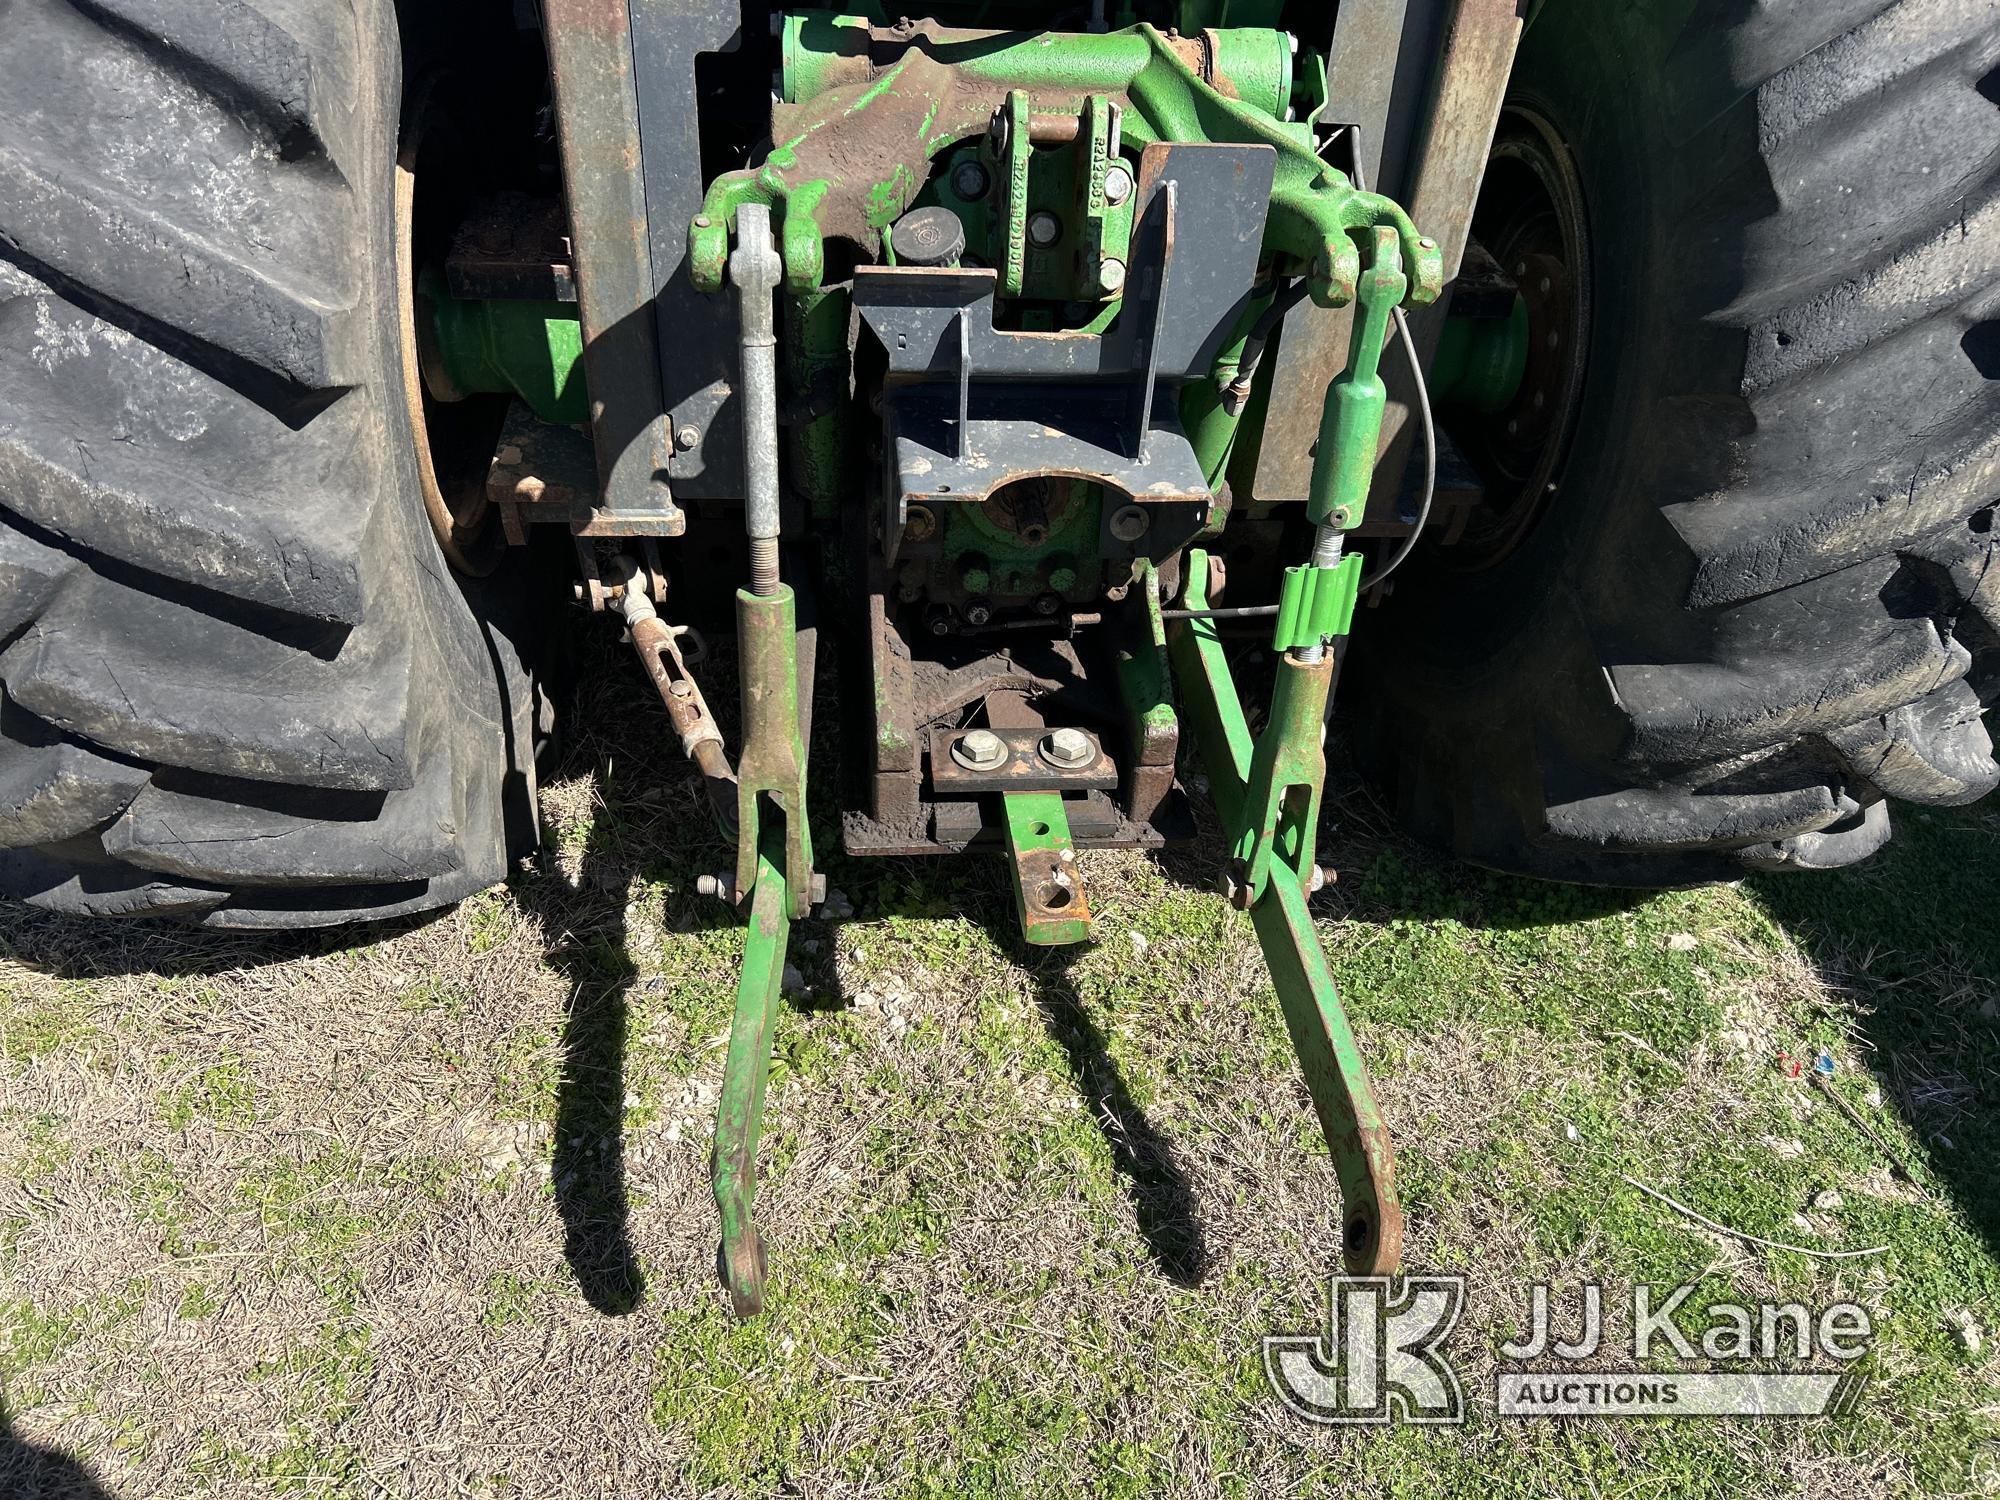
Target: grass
x=424 y=1210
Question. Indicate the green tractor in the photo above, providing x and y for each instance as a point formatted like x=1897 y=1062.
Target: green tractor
x=1061 y=398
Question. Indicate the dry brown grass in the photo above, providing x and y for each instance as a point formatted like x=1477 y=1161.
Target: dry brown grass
x=424 y=1211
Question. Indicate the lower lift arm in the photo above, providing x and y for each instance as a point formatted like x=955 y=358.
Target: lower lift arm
x=1267 y=790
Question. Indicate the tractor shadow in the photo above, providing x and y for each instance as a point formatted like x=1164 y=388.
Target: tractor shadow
x=29 y=1469
x=648 y=817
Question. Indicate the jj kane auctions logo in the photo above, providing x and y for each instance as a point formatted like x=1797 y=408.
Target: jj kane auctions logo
x=1380 y=1357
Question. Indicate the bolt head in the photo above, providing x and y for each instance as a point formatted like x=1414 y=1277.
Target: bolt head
x=979 y=750
x=1111 y=275
x=1117 y=182
x=1044 y=229
x=685 y=437
x=1129 y=523
x=1067 y=749
x=969 y=181
x=978 y=612
x=920 y=525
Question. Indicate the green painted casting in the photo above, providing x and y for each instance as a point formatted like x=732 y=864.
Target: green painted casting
x=814 y=349
x=1481 y=361
x=1145 y=680
x=1210 y=426
x=856 y=149
x=531 y=349
x=822 y=51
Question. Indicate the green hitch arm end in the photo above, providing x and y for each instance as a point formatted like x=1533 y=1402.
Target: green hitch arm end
x=1330 y=1059
x=739 y=1119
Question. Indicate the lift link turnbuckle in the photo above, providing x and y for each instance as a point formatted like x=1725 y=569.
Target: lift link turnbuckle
x=774 y=879
x=1268 y=790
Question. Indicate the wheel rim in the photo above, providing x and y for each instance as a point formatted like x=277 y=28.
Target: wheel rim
x=1530 y=218
x=453 y=435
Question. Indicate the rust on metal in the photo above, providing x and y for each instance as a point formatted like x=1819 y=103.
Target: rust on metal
x=1026 y=769
x=1446 y=171
x=597 y=114
x=701 y=741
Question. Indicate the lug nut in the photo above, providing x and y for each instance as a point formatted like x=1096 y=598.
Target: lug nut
x=969 y=181
x=980 y=750
x=1068 y=749
x=1129 y=523
x=1117 y=182
x=1044 y=229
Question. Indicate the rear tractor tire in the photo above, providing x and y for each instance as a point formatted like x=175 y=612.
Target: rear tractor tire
x=241 y=684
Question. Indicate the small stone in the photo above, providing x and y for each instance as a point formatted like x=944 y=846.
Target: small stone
x=1990 y=1010
x=810 y=947
x=1784 y=1148
x=1683 y=942
x=855 y=954
x=1970 y=1335
x=1874 y=1098
x=1139 y=945
x=792 y=982
x=1570 y=1132
x=673 y=1131
x=1826 y=1200
x=836 y=907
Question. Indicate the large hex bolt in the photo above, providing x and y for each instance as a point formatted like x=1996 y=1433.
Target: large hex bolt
x=980 y=750
x=1129 y=523
x=969 y=181
x=1117 y=183
x=1067 y=749
x=1044 y=229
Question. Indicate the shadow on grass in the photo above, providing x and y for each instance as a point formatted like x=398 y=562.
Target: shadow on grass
x=1909 y=939
x=28 y=1469
x=1161 y=1197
